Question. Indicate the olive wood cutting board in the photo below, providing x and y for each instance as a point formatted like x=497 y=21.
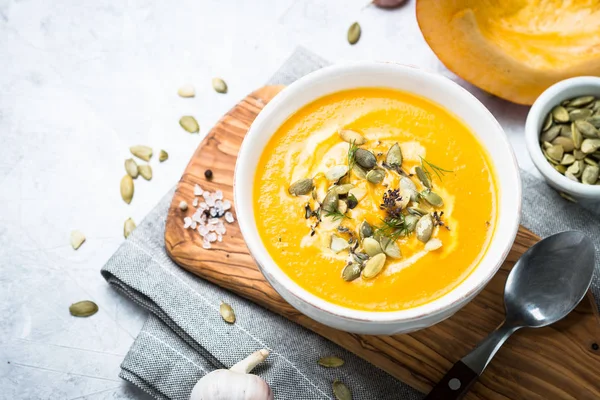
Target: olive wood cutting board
x=557 y=362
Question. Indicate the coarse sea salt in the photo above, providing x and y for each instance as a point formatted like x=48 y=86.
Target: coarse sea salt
x=207 y=219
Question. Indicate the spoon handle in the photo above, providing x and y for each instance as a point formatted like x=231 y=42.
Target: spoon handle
x=457 y=382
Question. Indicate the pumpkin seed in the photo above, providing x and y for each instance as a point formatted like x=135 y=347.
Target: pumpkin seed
x=432 y=198
x=186 y=91
x=595 y=120
x=580 y=114
x=590 y=175
x=433 y=244
x=227 y=313
x=330 y=202
x=566 y=143
x=547 y=122
x=575 y=169
x=145 y=171
x=164 y=156
x=572 y=177
x=354 y=33
x=567 y=197
x=83 y=308
x=581 y=101
x=565 y=130
x=423 y=177
x=424 y=228
x=219 y=85
x=350 y=136
x=131 y=168
x=341 y=391
x=128 y=227
x=410 y=222
x=330 y=362
x=374 y=266
x=567 y=159
x=365 y=158
x=189 y=123
x=365 y=230
x=342 y=207
x=394 y=155
x=551 y=133
x=547 y=145
x=578 y=154
x=376 y=176
x=590 y=161
x=77 y=239
x=359 y=193
x=371 y=246
x=335 y=173
x=351 y=201
x=408 y=185
x=390 y=247
x=416 y=211
x=560 y=114
x=555 y=152
x=590 y=145
x=549 y=159
x=587 y=129
x=560 y=168
x=596 y=106
x=338 y=244
x=301 y=187
x=127 y=189
x=576 y=136
x=141 y=152
x=359 y=171
x=351 y=272
x=343 y=189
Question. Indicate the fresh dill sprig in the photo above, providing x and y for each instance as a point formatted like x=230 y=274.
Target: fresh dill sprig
x=426 y=165
x=393 y=228
x=351 y=152
x=335 y=215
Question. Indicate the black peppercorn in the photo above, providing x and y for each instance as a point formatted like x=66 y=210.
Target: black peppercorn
x=208 y=174
x=595 y=346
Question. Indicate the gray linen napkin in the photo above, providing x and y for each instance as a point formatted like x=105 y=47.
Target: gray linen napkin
x=184 y=337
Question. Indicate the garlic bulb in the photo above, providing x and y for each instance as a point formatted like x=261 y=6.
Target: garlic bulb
x=236 y=383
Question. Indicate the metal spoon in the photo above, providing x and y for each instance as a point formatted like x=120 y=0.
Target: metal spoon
x=546 y=284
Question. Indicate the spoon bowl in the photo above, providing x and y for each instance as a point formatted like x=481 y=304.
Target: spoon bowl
x=549 y=280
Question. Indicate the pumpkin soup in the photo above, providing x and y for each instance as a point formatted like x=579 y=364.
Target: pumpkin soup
x=375 y=199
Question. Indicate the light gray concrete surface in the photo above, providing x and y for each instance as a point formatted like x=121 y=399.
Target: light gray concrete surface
x=80 y=82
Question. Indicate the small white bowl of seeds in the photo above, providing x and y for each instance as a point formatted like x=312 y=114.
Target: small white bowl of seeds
x=563 y=138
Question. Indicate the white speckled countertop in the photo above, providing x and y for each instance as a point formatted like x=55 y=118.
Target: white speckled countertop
x=80 y=82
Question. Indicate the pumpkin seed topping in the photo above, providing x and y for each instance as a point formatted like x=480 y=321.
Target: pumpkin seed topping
x=589 y=146
x=376 y=176
x=587 y=130
x=374 y=266
x=371 y=246
x=131 y=168
x=85 y=308
x=350 y=136
x=432 y=198
x=580 y=114
x=581 y=101
x=301 y=187
x=335 y=173
x=354 y=33
x=394 y=156
x=219 y=85
x=330 y=362
x=341 y=391
x=145 y=171
x=560 y=114
x=424 y=228
x=189 y=123
x=423 y=177
x=566 y=143
x=227 y=313
x=365 y=158
x=351 y=272
x=141 y=152
x=365 y=230
x=338 y=244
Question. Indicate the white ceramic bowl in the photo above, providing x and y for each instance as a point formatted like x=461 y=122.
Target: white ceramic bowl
x=440 y=90
x=589 y=195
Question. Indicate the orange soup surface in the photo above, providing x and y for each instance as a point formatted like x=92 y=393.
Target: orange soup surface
x=368 y=225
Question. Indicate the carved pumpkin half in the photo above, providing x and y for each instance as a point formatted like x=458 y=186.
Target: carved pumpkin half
x=514 y=49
